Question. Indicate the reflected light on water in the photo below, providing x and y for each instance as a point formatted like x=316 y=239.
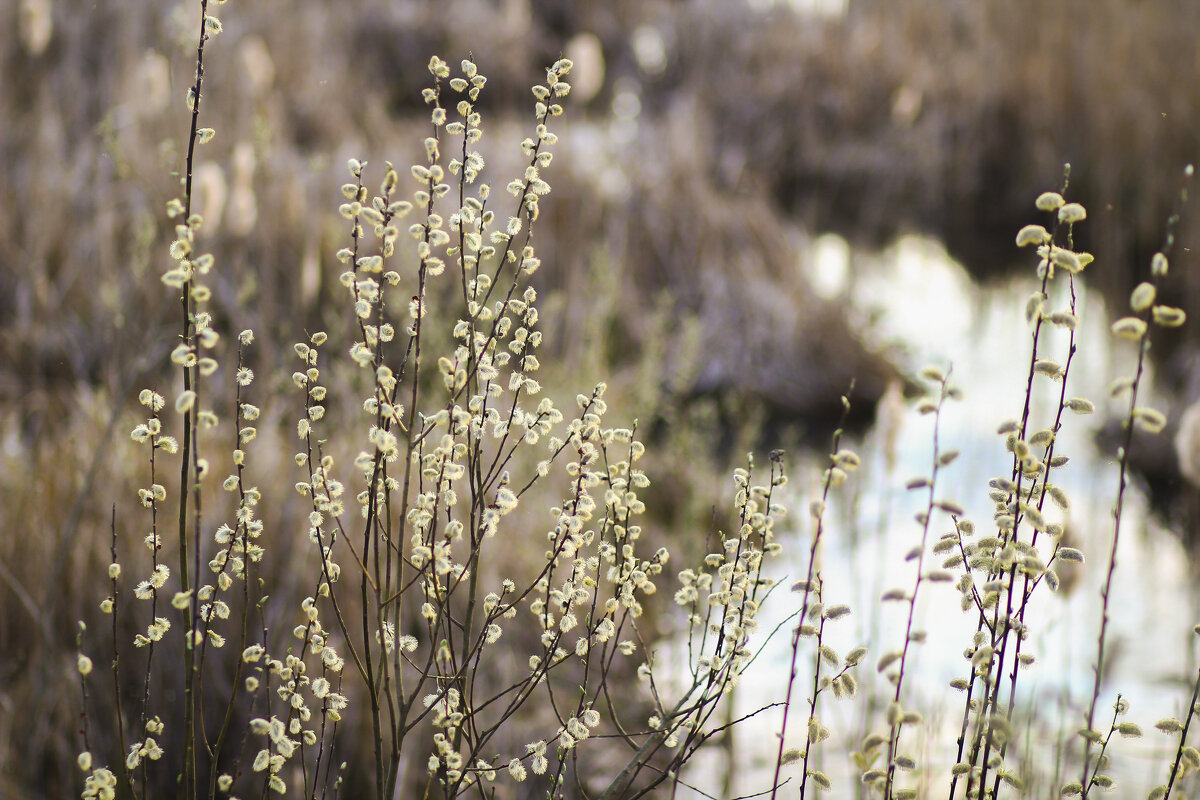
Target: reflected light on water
x=917 y=302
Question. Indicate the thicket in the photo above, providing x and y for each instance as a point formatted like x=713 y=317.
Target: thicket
x=446 y=642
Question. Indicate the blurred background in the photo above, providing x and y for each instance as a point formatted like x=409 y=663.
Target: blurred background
x=753 y=203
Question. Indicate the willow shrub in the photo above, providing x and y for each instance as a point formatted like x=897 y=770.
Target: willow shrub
x=466 y=670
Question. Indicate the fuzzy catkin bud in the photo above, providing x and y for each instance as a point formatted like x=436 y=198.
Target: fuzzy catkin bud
x=1067 y=260
x=1130 y=328
x=1051 y=369
x=1032 y=235
x=1049 y=201
x=1142 y=297
x=1149 y=419
x=1169 y=316
x=1072 y=213
x=1158 y=265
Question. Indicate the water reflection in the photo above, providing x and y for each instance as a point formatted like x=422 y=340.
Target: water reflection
x=915 y=301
